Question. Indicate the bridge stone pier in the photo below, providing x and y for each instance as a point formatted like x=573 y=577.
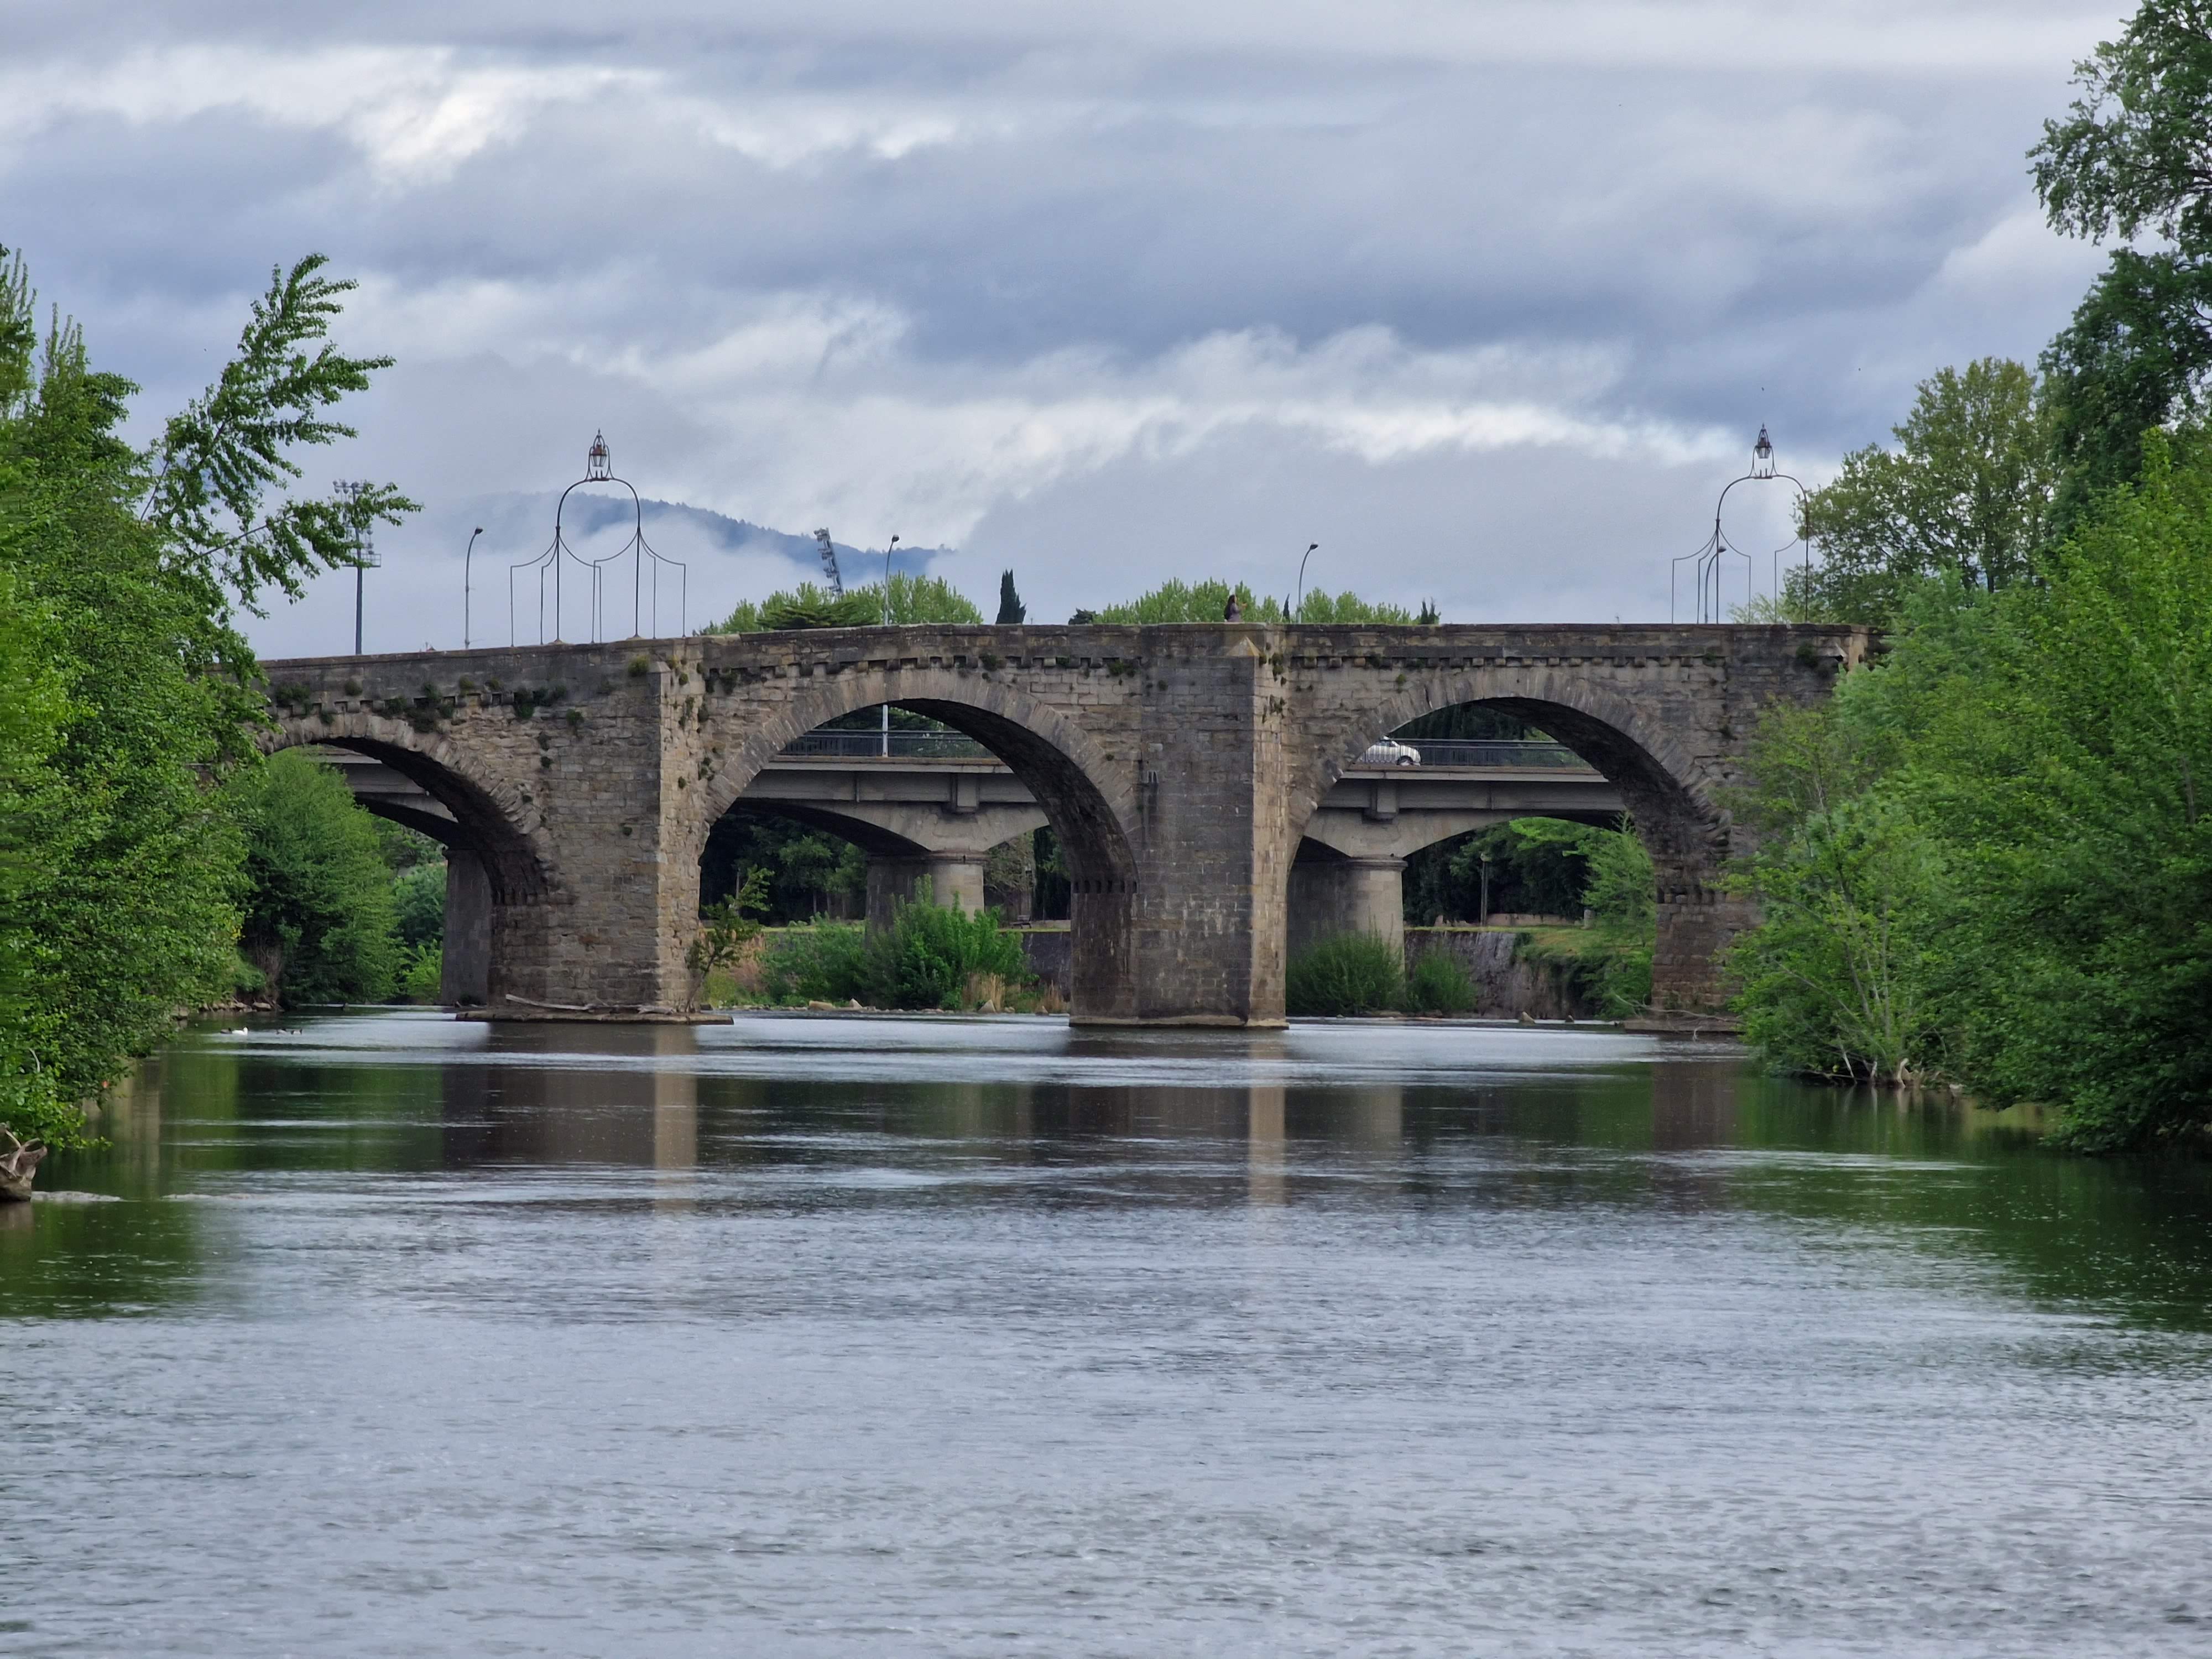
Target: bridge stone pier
x=1182 y=769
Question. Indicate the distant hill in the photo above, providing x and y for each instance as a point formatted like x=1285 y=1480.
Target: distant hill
x=521 y=525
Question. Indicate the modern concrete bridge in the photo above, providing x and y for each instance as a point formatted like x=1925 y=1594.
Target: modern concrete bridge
x=1183 y=769
x=927 y=807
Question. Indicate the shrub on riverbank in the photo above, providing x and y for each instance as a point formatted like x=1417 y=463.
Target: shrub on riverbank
x=1609 y=968
x=1439 y=984
x=929 y=958
x=422 y=979
x=1351 y=974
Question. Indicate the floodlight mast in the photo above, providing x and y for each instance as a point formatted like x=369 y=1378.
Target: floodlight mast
x=829 y=564
x=364 y=547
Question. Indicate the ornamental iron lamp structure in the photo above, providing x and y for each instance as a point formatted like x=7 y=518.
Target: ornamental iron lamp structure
x=1708 y=563
x=598 y=469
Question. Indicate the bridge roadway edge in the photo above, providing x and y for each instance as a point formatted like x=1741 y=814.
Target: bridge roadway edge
x=1184 y=761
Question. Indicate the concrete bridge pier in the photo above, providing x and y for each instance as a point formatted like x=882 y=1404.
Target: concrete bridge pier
x=950 y=878
x=1333 y=895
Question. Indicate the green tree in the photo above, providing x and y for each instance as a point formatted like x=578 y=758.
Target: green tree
x=2132 y=160
x=133 y=563
x=808 y=872
x=1992 y=857
x=1964 y=494
x=2134 y=152
x=2136 y=356
x=2071 y=781
x=319 y=919
x=1345 y=608
x=1839 y=979
x=1012 y=613
x=1177 y=601
x=913 y=599
x=418 y=900
x=34 y=706
x=726 y=927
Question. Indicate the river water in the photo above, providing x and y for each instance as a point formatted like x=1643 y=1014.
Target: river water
x=836 y=1336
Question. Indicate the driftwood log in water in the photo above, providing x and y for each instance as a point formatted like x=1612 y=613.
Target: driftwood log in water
x=19 y=1162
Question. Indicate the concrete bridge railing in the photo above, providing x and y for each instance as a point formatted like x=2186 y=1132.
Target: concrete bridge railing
x=1183 y=769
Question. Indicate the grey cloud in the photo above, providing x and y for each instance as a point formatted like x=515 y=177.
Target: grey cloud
x=1712 y=240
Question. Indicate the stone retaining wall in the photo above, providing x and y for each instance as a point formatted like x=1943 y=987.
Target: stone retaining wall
x=1507 y=984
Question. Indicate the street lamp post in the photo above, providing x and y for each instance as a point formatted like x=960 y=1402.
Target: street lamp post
x=887 y=546
x=1485 y=889
x=466 y=557
x=1298 y=604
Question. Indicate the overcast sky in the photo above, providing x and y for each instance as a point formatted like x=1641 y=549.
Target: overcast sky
x=1488 y=299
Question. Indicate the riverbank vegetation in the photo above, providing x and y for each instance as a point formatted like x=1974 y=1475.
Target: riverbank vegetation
x=319 y=922
x=132 y=697
x=1988 y=860
x=932 y=956
x=1357 y=974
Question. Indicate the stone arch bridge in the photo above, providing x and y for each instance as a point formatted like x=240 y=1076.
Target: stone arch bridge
x=1180 y=768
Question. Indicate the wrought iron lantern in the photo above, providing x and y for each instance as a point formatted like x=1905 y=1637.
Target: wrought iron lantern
x=598 y=469
x=1708 y=564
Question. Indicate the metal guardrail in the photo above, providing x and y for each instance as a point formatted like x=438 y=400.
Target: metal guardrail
x=904 y=746
x=1486 y=754
x=1493 y=752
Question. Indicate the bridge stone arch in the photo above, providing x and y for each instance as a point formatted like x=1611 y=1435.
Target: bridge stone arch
x=497 y=864
x=1083 y=794
x=490 y=816
x=1665 y=753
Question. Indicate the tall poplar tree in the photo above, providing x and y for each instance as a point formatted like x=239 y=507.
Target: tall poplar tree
x=124 y=569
